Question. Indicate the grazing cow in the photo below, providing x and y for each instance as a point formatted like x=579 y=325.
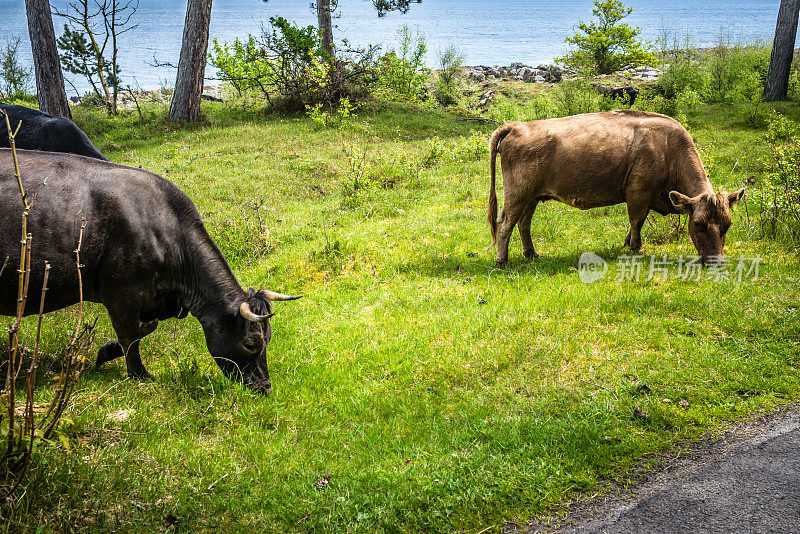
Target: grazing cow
x=646 y=160
x=40 y=131
x=626 y=94
x=146 y=257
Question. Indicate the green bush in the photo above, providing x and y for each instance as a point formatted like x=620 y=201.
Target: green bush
x=576 y=96
x=779 y=199
x=290 y=68
x=450 y=62
x=731 y=72
x=14 y=79
x=340 y=118
x=607 y=46
x=726 y=73
x=241 y=63
x=681 y=73
x=401 y=72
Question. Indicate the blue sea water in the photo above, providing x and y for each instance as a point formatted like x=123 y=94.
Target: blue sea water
x=486 y=33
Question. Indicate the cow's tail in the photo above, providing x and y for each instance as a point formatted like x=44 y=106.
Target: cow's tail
x=491 y=216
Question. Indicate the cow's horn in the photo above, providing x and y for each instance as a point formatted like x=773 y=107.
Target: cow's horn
x=247 y=313
x=271 y=295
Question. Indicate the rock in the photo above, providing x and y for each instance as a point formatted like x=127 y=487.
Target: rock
x=477 y=76
x=527 y=74
x=552 y=77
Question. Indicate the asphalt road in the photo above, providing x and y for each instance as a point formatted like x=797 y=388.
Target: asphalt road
x=751 y=484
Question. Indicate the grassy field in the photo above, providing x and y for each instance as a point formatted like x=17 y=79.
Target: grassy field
x=418 y=387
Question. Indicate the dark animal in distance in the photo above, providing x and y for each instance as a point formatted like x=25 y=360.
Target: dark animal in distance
x=646 y=160
x=626 y=94
x=146 y=257
x=40 y=131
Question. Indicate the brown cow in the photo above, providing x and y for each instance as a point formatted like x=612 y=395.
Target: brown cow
x=646 y=160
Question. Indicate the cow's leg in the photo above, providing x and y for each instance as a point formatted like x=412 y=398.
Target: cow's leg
x=524 y=226
x=637 y=214
x=129 y=332
x=505 y=226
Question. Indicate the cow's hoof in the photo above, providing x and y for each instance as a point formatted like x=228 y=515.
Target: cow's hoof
x=532 y=255
x=142 y=375
x=111 y=350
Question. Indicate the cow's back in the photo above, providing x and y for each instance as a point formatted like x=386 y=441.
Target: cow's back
x=588 y=160
x=132 y=222
x=40 y=131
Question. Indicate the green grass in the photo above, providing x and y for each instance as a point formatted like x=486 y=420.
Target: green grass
x=439 y=392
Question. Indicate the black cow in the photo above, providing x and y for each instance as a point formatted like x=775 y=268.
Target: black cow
x=40 y=131
x=146 y=257
x=626 y=94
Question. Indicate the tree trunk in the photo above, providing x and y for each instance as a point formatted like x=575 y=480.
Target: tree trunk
x=192 y=63
x=777 y=82
x=47 y=66
x=324 y=25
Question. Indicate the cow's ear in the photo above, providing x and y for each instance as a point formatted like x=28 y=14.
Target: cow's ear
x=735 y=197
x=681 y=202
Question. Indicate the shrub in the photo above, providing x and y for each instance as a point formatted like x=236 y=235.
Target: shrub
x=342 y=117
x=607 y=45
x=780 y=198
x=450 y=62
x=240 y=63
x=681 y=72
x=401 y=72
x=576 y=96
x=289 y=62
x=14 y=78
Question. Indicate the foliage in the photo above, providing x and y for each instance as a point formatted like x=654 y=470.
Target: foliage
x=78 y=57
x=607 y=46
x=729 y=72
x=779 y=198
x=89 y=43
x=450 y=62
x=240 y=63
x=342 y=117
x=288 y=62
x=384 y=6
x=733 y=72
x=14 y=78
x=680 y=71
x=401 y=72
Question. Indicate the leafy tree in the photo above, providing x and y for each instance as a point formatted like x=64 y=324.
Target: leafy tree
x=606 y=46
x=13 y=77
x=89 y=43
x=326 y=8
x=450 y=62
x=78 y=57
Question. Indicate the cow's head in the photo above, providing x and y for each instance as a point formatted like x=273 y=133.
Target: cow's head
x=238 y=339
x=709 y=219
